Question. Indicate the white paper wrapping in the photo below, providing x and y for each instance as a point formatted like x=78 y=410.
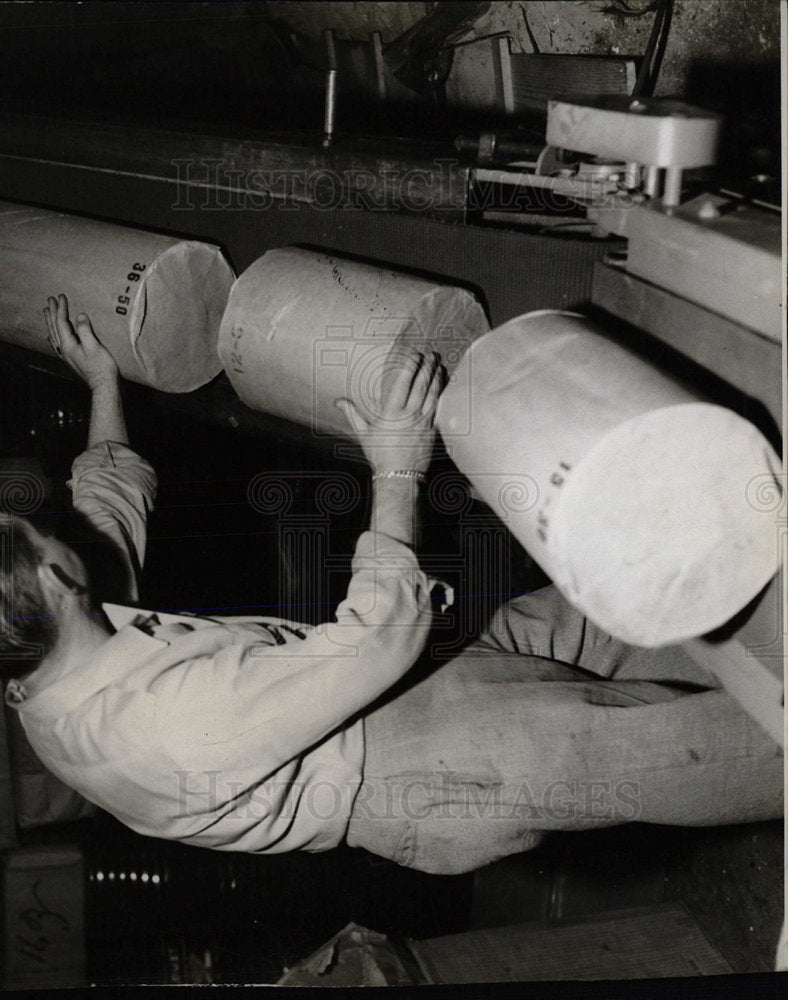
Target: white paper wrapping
x=304 y=328
x=155 y=301
x=635 y=497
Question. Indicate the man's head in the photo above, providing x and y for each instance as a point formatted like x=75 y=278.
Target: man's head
x=38 y=573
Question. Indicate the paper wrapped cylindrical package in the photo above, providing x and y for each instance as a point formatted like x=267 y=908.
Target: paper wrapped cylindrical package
x=635 y=496
x=304 y=328
x=155 y=301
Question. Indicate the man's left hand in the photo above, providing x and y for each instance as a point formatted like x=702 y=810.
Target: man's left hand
x=79 y=347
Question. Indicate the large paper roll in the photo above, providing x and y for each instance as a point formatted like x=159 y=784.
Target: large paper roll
x=304 y=328
x=634 y=496
x=155 y=301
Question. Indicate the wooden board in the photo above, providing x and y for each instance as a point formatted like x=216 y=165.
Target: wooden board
x=643 y=943
x=741 y=357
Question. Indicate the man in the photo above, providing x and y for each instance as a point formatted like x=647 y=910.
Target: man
x=264 y=735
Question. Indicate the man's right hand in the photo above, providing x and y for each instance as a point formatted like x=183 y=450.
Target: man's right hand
x=400 y=434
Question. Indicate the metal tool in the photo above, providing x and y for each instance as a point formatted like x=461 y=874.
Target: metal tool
x=331 y=90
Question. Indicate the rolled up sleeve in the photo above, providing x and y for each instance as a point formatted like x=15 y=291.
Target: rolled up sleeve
x=115 y=489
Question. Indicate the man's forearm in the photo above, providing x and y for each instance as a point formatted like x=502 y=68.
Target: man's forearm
x=394 y=506
x=107 y=422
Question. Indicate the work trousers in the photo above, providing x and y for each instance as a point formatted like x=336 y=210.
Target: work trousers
x=548 y=723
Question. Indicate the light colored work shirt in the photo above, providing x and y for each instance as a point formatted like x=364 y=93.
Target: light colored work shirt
x=226 y=733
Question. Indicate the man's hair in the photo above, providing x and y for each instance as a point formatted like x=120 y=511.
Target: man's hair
x=28 y=631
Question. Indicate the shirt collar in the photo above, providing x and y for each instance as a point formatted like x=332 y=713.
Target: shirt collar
x=120 y=615
x=132 y=642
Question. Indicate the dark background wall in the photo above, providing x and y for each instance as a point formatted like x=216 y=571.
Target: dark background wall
x=258 y=63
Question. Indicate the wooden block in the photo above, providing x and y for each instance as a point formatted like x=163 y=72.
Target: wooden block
x=642 y=943
x=749 y=661
x=502 y=60
x=473 y=83
x=740 y=356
